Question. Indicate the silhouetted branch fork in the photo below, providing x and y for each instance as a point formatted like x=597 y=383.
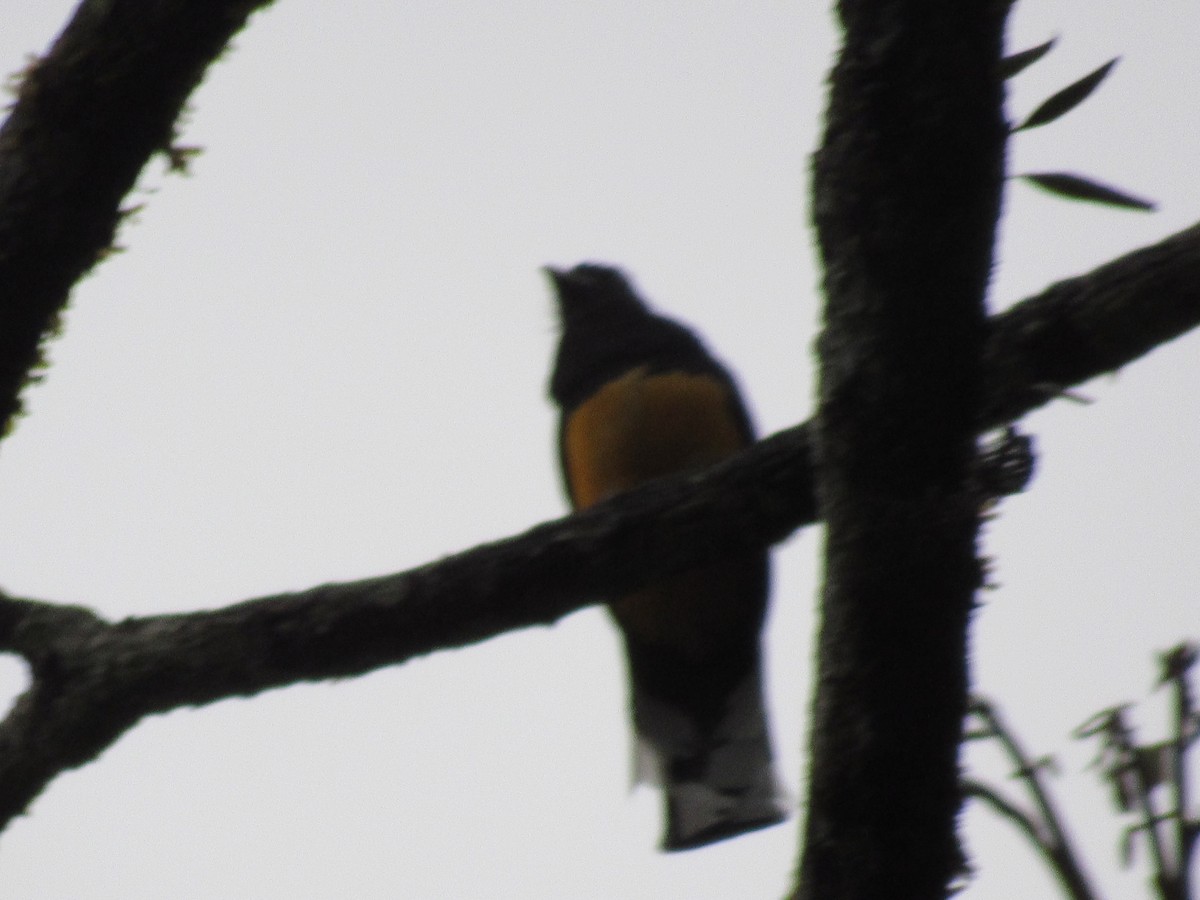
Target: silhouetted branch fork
x=87 y=118
x=94 y=679
x=1045 y=829
x=1056 y=856
x=1023 y=820
x=94 y=109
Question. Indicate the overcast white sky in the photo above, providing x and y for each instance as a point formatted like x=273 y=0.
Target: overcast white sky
x=324 y=357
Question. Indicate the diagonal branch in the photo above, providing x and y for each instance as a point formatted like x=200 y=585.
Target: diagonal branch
x=1093 y=324
x=89 y=115
x=94 y=679
x=1060 y=863
x=1045 y=828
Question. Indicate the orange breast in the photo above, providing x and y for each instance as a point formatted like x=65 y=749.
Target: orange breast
x=640 y=427
x=644 y=426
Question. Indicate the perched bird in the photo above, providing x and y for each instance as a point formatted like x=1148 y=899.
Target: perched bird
x=641 y=398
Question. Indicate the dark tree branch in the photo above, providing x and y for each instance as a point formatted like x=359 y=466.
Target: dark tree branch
x=1062 y=866
x=89 y=115
x=1097 y=323
x=906 y=195
x=1024 y=821
x=94 y=679
x=1046 y=830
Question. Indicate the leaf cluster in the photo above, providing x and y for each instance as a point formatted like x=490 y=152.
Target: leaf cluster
x=1071 y=185
x=1149 y=782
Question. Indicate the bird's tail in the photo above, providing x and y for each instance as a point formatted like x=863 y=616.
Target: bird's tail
x=718 y=777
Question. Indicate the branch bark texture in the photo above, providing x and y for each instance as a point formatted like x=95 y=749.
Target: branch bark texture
x=94 y=679
x=906 y=196
x=103 y=101
x=88 y=116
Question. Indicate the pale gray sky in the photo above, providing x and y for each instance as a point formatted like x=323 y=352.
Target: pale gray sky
x=324 y=357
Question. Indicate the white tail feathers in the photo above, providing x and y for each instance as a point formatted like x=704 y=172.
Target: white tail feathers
x=718 y=784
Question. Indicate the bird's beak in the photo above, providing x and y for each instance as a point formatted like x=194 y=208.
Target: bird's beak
x=560 y=281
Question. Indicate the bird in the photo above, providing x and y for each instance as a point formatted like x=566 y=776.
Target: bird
x=641 y=397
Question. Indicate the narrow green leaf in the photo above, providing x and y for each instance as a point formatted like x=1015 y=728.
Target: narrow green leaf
x=1127 y=848
x=1068 y=98
x=1076 y=187
x=1175 y=663
x=1019 y=62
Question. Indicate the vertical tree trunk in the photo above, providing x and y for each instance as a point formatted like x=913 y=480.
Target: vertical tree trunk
x=906 y=196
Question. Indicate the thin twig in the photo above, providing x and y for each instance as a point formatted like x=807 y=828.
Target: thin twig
x=1054 y=843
